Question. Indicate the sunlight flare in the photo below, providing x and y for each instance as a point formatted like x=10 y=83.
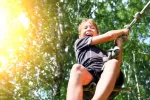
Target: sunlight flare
x=3 y=23
x=14 y=25
x=24 y=20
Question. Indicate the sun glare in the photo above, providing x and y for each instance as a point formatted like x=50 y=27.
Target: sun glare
x=14 y=24
x=3 y=62
x=3 y=23
x=24 y=20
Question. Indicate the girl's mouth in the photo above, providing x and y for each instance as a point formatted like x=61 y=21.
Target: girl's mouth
x=88 y=34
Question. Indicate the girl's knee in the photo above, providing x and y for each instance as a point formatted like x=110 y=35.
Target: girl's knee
x=80 y=73
x=113 y=61
x=113 y=65
x=76 y=69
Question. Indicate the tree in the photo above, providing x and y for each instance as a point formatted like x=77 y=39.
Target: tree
x=36 y=63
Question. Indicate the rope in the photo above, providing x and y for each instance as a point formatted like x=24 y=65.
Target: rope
x=136 y=17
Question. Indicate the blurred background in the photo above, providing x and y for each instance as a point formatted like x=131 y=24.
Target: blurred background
x=37 y=45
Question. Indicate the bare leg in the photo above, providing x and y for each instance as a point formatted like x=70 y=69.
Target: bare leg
x=109 y=76
x=79 y=76
x=107 y=80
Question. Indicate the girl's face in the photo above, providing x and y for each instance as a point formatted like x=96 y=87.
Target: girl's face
x=88 y=29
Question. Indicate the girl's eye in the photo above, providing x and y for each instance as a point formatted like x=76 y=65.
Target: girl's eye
x=85 y=27
x=93 y=27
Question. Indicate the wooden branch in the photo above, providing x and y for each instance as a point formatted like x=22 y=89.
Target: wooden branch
x=92 y=88
x=122 y=89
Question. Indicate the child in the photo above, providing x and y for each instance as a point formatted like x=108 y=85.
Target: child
x=90 y=62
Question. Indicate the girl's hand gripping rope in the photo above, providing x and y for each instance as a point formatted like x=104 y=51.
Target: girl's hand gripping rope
x=126 y=33
x=124 y=37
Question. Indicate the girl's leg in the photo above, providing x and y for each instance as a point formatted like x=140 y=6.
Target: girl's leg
x=79 y=76
x=107 y=80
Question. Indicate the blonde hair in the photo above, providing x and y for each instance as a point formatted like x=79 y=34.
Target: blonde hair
x=90 y=21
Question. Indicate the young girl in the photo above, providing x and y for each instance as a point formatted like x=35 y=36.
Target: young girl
x=91 y=66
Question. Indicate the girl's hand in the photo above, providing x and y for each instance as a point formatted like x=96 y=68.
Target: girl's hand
x=126 y=31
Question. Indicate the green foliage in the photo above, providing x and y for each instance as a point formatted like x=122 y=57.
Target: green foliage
x=39 y=67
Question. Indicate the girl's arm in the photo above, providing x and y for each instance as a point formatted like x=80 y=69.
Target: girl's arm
x=109 y=36
x=119 y=43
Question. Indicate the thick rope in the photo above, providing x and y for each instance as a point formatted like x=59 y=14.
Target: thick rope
x=137 y=16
